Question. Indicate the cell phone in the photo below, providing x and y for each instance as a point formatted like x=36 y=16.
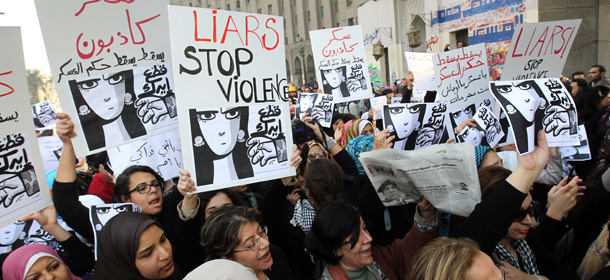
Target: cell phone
x=571 y=174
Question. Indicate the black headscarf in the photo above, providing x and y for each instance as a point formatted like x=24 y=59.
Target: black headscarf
x=118 y=244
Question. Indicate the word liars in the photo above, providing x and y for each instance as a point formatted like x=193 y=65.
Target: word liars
x=230 y=65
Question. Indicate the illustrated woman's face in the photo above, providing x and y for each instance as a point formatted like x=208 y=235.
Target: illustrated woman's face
x=333 y=76
x=523 y=98
x=463 y=114
x=306 y=102
x=404 y=120
x=105 y=96
x=220 y=128
x=473 y=135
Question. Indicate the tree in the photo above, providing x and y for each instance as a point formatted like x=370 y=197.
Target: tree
x=38 y=83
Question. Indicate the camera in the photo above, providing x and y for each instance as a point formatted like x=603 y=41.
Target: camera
x=301 y=133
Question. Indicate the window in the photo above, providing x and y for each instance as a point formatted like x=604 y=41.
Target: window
x=336 y=6
x=350 y=21
x=308 y=15
x=228 y=7
x=260 y=11
x=190 y=4
x=322 y=11
x=296 y=19
x=282 y=6
x=284 y=23
x=295 y=2
x=237 y=4
x=285 y=40
x=338 y=24
x=247 y=1
x=349 y=3
x=270 y=9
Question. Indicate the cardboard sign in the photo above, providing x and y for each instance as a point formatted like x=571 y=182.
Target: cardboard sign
x=111 y=68
x=377 y=104
x=539 y=50
x=318 y=105
x=462 y=79
x=487 y=131
x=415 y=125
x=340 y=63
x=229 y=68
x=23 y=189
x=50 y=151
x=423 y=70
x=100 y=214
x=580 y=152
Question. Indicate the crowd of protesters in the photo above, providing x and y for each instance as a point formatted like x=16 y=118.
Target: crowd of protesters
x=328 y=221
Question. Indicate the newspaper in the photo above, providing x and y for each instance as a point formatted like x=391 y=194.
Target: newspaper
x=444 y=174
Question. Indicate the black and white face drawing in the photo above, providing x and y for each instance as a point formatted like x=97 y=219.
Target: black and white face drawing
x=472 y=135
x=10 y=233
x=404 y=120
x=334 y=81
x=306 y=103
x=100 y=214
x=43 y=114
x=461 y=115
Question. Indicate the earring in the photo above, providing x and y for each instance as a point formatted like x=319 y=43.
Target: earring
x=128 y=99
x=198 y=141
x=325 y=82
x=241 y=136
x=83 y=110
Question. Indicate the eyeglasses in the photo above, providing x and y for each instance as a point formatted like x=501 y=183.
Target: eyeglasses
x=144 y=188
x=314 y=155
x=257 y=242
x=522 y=214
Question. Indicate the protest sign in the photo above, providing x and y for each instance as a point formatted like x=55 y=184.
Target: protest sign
x=462 y=79
x=415 y=125
x=580 y=152
x=161 y=152
x=538 y=104
x=486 y=132
x=110 y=68
x=20 y=233
x=21 y=191
x=340 y=62
x=539 y=50
x=50 y=151
x=446 y=175
x=100 y=214
x=423 y=70
x=229 y=68
x=44 y=115
x=377 y=104
x=318 y=105
x=396 y=100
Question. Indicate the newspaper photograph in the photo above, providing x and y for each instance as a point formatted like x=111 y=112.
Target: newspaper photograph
x=444 y=174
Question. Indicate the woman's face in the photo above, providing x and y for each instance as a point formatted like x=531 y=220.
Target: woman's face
x=491 y=158
x=334 y=77
x=315 y=152
x=218 y=201
x=519 y=229
x=359 y=256
x=154 y=257
x=403 y=120
x=220 y=128
x=48 y=268
x=150 y=201
x=337 y=123
x=105 y=96
x=260 y=258
x=368 y=130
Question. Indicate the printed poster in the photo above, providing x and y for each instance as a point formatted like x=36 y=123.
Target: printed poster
x=43 y=114
x=234 y=97
x=100 y=214
x=21 y=191
x=111 y=68
x=415 y=125
x=539 y=50
x=423 y=70
x=532 y=105
x=486 y=132
x=317 y=105
x=580 y=152
x=377 y=104
x=340 y=63
x=50 y=151
x=462 y=80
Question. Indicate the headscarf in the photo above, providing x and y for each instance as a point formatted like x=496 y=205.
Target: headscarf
x=19 y=262
x=479 y=153
x=360 y=144
x=344 y=140
x=118 y=245
x=221 y=269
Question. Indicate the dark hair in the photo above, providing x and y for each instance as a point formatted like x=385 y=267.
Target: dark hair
x=603 y=91
x=121 y=187
x=324 y=180
x=221 y=232
x=204 y=156
x=333 y=224
x=490 y=177
x=577 y=73
x=205 y=198
x=386 y=92
x=92 y=123
x=600 y=67
x=582 y=83
x=386 y=184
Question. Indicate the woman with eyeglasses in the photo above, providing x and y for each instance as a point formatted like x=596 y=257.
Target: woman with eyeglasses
x=140 y=185
x=234 y=233
x=501 y=223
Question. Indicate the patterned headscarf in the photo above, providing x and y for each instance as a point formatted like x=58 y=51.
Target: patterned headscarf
x=479 y=153
x=360 y=144
x=345 y=130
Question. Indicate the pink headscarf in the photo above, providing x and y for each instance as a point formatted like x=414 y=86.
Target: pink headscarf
x=345 y=129
x=18 y=262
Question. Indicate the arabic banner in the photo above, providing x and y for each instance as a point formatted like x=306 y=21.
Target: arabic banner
x=234 y=96
x=111 y=68
x=423 y=70
x=415 y=125
x=340 y=63
x=318 y=105
x=532 y=105
x=539 y=50
x=21 y=192
x=462 y=80
x=161 y=152
x=44 y=115
x=487 y=131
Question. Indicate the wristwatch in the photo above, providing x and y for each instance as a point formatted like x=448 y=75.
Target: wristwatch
x=330 y=143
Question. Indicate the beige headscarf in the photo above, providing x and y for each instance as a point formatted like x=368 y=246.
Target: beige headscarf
x=594 y=261
x=221 y=269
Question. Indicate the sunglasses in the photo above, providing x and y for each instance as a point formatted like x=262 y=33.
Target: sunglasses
x=313 y=155
x=524 y=212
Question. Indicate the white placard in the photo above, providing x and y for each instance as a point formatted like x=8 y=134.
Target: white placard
x=486 y=132
x=111 y=67
x=377 y=104
x=580 y=152
x=415 y=125
x=50 y=151
x=423 y=70
x=340 y=63
x=43 y=114
x=229 y=68
x=23 y=188
x=318 y=105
